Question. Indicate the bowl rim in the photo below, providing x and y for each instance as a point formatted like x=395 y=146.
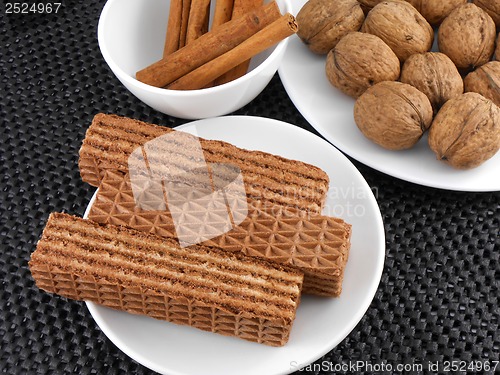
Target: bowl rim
x=128 y=79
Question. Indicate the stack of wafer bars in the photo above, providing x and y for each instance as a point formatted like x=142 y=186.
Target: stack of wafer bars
x=203 y=287
x=129 y=258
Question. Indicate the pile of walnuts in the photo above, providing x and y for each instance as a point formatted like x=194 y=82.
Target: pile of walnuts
x=378 y=52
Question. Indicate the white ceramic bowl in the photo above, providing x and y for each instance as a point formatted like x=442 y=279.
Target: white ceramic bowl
x=131 y=36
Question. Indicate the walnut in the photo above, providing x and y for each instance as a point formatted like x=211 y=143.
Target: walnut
x=467 y=36
x=394 y=115
x=485 y=80
x=322 y=23
x=435 y=75
x=436 y=11
x=466 y=131
x=359 y=61
x=492 y=7
x=401 y=26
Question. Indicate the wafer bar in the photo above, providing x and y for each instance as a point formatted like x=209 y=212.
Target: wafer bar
x=111 y=139
x=140 y=273
x=315 y=244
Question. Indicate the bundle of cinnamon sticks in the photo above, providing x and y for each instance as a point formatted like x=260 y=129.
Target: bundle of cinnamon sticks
x=196 y=57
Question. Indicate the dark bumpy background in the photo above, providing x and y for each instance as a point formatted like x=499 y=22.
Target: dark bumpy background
x=438 y=297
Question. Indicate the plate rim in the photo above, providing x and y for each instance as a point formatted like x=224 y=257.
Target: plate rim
x=335 y=341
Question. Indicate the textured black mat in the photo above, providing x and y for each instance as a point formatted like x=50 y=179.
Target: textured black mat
x=438 y=298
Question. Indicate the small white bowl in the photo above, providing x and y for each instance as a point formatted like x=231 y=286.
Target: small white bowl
x=131 y=36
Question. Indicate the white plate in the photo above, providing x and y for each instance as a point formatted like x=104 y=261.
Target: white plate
x=330 y=112
x=321 y=323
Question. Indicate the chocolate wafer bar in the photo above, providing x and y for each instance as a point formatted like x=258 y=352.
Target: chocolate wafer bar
x=203 y=287
x=315 y=244
x=111 y=139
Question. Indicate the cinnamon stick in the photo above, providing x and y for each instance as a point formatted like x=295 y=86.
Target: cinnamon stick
x=198 y=19
x=267 y=37
x=173 y=34
x=239 y=9
x=186 y=8
x=209 y=46
x=223 y=12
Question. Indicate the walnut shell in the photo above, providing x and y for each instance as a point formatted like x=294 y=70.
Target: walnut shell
x=492 y=7
x=467 y=36
x=359 y=61
x=466 y=131
x=435 y=11
x=485 y=80
x=322 y=23
x=394 y=115
x=401 y=26
x=435 y=75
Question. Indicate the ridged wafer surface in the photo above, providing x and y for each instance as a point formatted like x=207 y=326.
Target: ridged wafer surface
x=145 y=274
x=317 y=245
x=111 y=139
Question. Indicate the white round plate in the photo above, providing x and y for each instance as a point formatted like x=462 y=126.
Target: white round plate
x=330 y=112
x=321 y=323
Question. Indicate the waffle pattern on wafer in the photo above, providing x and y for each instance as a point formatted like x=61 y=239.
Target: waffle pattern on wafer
x=315 y=244
x=140 y=273
x=111 y=139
